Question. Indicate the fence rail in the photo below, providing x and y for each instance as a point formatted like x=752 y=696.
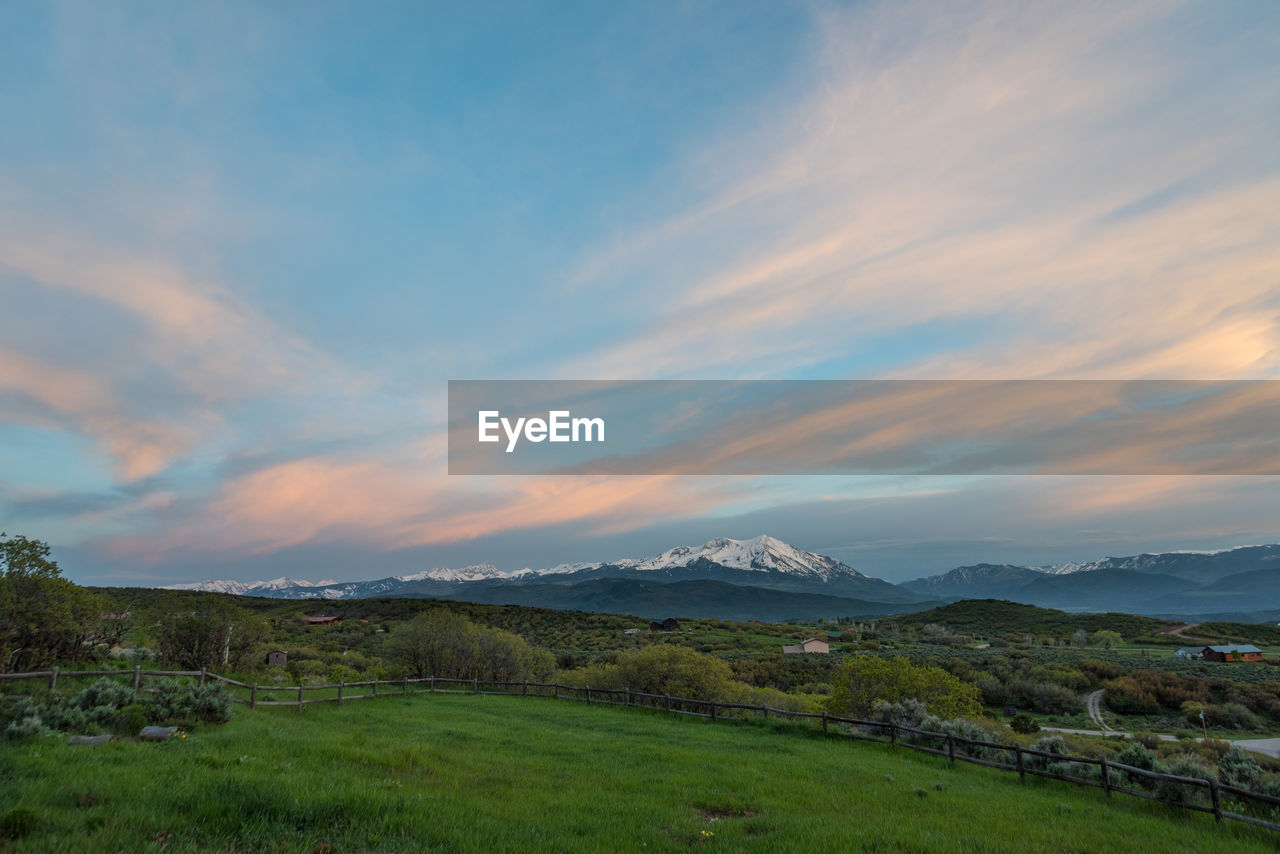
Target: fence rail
x=1111 y=777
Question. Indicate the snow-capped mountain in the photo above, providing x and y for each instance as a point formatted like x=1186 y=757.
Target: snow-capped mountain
x=760 y=554
x=478 y=572
x=761 y=561
x=248 y=588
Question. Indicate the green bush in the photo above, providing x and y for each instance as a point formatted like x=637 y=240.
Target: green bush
x=1239 y=769
x=105 y=693
x=1024 y=724
x=131 y=719
x=188 y=704
x=27 y=727
x=1183 y=766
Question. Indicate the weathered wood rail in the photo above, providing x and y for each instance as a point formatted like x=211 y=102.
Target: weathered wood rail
x=1111 y=777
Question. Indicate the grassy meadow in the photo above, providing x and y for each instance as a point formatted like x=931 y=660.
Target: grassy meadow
x=491 y=773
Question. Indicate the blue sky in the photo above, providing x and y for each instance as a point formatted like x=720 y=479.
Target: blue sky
x=244 y=247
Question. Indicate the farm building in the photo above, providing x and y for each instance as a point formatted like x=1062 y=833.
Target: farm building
x=807 y=645
x=277 y=658
x=670 y=624
x=1189 y=651
x=323 y=621
x=1232 y=652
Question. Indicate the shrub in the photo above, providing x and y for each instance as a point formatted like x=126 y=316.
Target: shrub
x=27 y=727
x=188 y=704
x=1149 y=740
x=1182 y=766
x=104 y=693
x=1024 y=724
x=1239 y=769
x=131 y=719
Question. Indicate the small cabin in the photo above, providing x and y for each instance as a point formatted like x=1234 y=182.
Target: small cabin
x=1189 y=652
x=808 y=645
x=322 y=621
x=670 y=624
x=1232 y=652
x=277 y=658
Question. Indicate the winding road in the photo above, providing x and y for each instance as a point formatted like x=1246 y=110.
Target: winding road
x=1266 y=746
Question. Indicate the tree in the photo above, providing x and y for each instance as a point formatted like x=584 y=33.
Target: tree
x=442 y=643
x=215 y=634
x=865 y=680
x=44 y=618
x=1107 y=639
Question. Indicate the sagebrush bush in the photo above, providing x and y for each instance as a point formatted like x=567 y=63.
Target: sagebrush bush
x=105 y=693
x=1183 y=766
x=189 y=704
x=27 y=727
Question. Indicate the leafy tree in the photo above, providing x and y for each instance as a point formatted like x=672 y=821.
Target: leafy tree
x=442 y=643
x=215 y=634
x=865 y=680
x=44 y=618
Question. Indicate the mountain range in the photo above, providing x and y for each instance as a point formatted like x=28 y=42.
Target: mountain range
x=765 y=578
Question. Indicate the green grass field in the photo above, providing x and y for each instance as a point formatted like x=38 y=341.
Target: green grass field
x=490 y=773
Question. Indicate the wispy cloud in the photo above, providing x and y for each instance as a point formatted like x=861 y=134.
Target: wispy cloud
x=1046 y=169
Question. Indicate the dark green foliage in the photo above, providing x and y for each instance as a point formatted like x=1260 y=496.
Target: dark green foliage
x=1024 y=724
x=131 y=719
x=27 y=726
x=43 y=617
x=1239 y=769
x=185 y=705
x=1014 y=620
x=1183 y=766
x=216 y=634
x=18 y=822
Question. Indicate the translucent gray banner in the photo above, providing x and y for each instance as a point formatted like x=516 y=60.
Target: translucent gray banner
x=935 y=427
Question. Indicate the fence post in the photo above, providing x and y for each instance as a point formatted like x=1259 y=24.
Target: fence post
x=253 y=696
x=1022 y=773
x=764 y=710
x=203 y=673
x=824 y=721
x=627 y=700
x=53 y=679
x=951 y=748
x=893 y=734
x=1217 y=798
x=475 y=684
x=666 y=702
x=526 y=688
x=714 y=706
x=340 y=687
x=1106 y=775
x=588 y=694
x=404 y=686
x=137 y=678
x=433 y=683
x=299 y=696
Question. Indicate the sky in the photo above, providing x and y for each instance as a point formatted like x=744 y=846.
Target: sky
x=244 y=247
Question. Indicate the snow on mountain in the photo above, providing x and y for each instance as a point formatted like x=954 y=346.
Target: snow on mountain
x=477 y=572
x=243 y=588
x=759 y=554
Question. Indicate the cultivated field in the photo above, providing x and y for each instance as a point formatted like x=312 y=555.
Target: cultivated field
x=490 y=773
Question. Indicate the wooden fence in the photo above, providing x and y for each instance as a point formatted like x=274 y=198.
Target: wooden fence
x=1193 y=793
